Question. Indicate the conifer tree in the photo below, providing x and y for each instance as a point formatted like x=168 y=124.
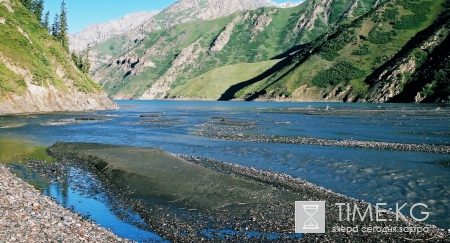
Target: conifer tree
x=55 y=26
x=80 y=62
x=74 y=58
x=27 y=3
x=37 y=7
x=87 y=63
x=62 y=35
x=46 y=21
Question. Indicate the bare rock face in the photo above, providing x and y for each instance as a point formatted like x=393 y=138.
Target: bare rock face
x=161 y=87
x=187 y=10
x=48 y=98
x=97 y=33
x=224 y=37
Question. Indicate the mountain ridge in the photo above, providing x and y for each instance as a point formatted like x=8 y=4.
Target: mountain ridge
x=180 y=12
x=351 y=51
x=98 y=32
x=161 y=59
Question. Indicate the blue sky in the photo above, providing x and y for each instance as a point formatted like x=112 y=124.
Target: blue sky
x=81 y=13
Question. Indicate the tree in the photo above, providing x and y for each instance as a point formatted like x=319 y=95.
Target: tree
x=80 y=63
x=46 y=22
x=55 y=26
x=27 y=3
x=87 y=63
x=74 y=58
x=37 y=7
x=62 y=35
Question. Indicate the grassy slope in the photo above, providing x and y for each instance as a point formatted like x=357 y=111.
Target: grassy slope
x=244 y=47
x=214 y=83
x=341 y=45
x=428 y=51
x=41 y=55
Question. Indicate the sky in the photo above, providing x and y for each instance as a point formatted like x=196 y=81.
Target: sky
x=81 y=13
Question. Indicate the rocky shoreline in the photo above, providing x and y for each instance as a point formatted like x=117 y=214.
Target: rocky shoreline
x=26 y=215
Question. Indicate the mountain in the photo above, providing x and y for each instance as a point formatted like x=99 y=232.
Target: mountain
x=36 y=73
x=398 y=52
x=135 y=26
x=96 y=33
x=184 y=11
x=160 y=60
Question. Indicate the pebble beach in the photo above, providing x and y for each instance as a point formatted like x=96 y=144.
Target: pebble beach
x=26 y=215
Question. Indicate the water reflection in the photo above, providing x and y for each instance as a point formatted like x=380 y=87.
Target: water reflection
x=81 y=192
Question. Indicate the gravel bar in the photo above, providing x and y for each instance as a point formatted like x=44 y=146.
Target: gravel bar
x=26 y=215
x=429 y=148
x=192 y=199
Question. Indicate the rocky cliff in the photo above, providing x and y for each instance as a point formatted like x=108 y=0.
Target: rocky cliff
x=36 y=74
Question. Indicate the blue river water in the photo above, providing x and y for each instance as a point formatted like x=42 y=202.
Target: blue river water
x=372 y=175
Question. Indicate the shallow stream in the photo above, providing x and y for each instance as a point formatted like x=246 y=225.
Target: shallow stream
x=372 y=175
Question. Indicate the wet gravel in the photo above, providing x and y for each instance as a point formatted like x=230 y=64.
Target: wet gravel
x=430 y=148
x=222 y=124
x=62 y=122
x=28 y=216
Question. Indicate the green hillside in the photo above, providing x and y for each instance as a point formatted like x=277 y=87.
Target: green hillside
x=170 y=57
x=353 y=61
x=29 y=54
x=214 y=83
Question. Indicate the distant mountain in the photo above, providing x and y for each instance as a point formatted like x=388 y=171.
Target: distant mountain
x=97 y=33
x=158 y=61
x=184 y=11
x=36 y=73
x=135 y=26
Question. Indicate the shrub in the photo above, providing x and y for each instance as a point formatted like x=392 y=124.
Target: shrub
x=342 y=71
x=330 y=49
x=408 y=22
x=46 y=61
x=378 y=36
x=413 y=21
x=419 y=56
x=379 y=60
x=389 y=14
x=363 y=50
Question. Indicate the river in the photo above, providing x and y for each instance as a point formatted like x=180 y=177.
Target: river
x=372 y=175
